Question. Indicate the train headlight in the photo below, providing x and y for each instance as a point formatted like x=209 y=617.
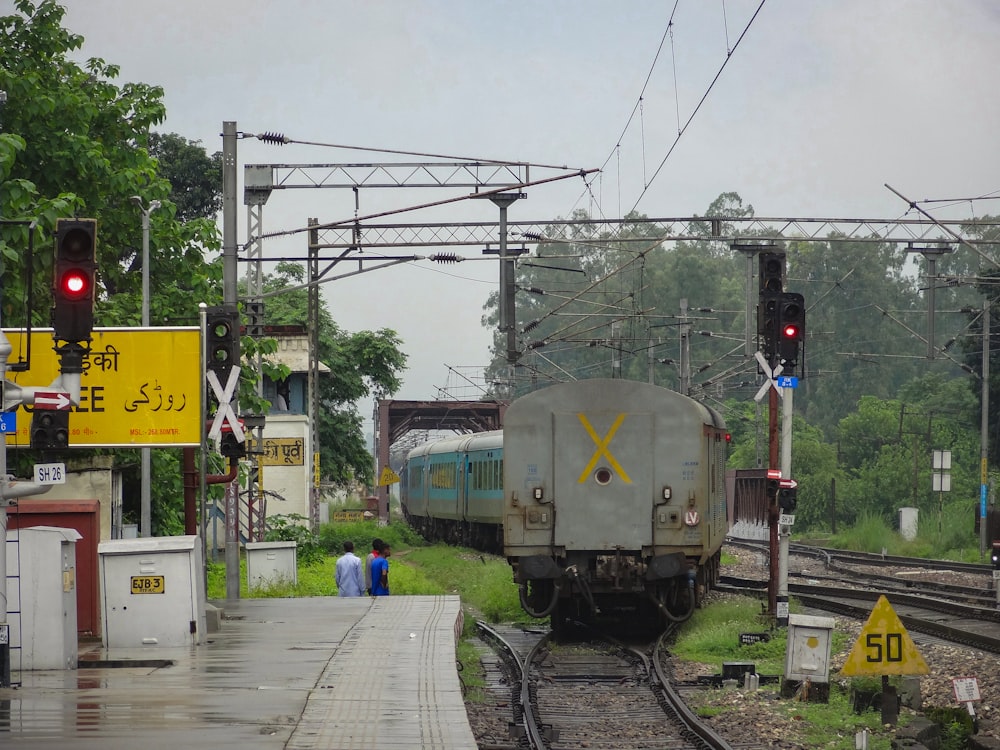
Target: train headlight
x=667 y=493
x=538 y=494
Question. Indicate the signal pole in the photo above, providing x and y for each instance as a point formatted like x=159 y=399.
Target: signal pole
x=229 y=297
x=8 y=491
x=74 y=266
x=780 y=336
x=784 y=532
x=774 y=569
x=145 y=491
x=984 y=435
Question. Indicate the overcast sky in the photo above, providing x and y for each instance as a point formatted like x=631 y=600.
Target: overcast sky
x=819 y=104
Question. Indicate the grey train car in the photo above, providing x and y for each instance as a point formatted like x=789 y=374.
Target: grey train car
x=614 y=501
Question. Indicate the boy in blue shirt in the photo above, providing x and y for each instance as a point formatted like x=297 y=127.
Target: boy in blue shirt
x=377 y=545
x=380 y=573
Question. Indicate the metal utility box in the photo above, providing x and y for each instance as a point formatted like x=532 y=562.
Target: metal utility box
x=83 y=516
x=807 y=655
x=908 y=523
x=153 y=591
x=42 y=600
x=271 y=562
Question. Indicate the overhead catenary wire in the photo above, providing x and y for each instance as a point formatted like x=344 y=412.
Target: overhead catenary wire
x=957 y=237
x=280 y=139
x=725 y=27
x=600 y=280
x=668 y=33
x=628 y=121
x=701 y=101
x=991 y=196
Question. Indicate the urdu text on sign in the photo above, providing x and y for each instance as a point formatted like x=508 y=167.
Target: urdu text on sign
x=140 y=386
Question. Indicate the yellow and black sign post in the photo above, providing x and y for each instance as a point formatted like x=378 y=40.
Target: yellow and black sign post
x=387 y=477
x=884 y=648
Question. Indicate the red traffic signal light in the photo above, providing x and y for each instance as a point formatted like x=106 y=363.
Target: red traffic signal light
x=73 y=281
x=792 y=327
x=75 y=284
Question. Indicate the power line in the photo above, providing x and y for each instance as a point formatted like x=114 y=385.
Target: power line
x=700 y=102
x=281 y=140
x=667 y=33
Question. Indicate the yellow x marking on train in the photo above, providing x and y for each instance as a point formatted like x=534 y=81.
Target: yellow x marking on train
x=602 y=448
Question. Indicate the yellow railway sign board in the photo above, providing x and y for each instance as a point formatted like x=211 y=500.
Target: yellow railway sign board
x=884 y=647
x=387 y=477
x=140 y=387
x=283 y=452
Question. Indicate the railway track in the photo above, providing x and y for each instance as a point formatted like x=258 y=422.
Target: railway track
x=878 y=559
x=970 y=583
x=967 y=625
x=956 y=627
x=598 y=694
x=961 y=610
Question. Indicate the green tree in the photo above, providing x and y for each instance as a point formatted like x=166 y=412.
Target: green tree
x=195 y=177
x=76 y=143
x=986 y=283
x=886 y=448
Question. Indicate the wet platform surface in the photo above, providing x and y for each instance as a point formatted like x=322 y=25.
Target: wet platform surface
x=296 y=674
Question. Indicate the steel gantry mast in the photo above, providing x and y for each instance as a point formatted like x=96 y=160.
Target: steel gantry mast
x=502 y=182
x=754 y=233
x=499 y=181
x=683 y=229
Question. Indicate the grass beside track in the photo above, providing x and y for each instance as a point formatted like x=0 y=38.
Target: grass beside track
x=485 y=586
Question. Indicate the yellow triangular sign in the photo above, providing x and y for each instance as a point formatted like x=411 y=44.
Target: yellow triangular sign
x=884 y=647
x=388 y=477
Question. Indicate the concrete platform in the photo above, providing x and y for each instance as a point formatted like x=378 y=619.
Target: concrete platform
x=293 y=674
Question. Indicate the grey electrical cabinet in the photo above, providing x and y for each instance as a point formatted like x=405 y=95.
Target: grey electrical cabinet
x=41 y=597
x=807 y=655
x=153 y=591
x=270 y=563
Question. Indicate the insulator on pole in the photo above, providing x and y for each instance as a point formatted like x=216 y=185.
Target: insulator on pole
x=276 y=138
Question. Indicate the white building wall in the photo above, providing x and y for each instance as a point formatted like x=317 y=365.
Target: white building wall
x=287 y=464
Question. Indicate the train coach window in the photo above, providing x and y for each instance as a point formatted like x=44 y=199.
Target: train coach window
x=479 y=475
x=443 y=476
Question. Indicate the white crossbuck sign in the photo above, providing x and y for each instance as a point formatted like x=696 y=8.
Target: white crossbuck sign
x=771 y=375
x=225 y=412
